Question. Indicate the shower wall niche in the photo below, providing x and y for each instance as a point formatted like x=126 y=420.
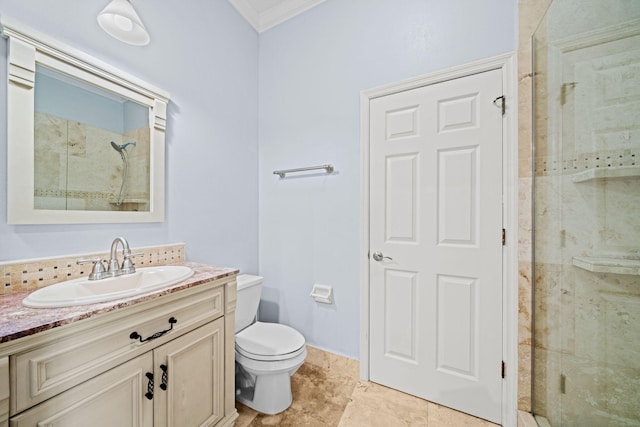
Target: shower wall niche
x=587 y=214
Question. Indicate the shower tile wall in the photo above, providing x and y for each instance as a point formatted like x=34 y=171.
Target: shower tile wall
x=77 y=168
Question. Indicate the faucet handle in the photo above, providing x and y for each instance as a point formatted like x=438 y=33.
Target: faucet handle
x=127 y=264
x=98 y=271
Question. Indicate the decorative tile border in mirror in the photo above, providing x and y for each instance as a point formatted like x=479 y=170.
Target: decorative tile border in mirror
x=28 y=275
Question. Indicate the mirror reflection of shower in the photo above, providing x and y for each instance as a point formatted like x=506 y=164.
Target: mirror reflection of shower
x=121 y=148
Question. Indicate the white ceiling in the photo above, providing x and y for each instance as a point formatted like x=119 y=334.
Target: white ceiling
x=264 y=14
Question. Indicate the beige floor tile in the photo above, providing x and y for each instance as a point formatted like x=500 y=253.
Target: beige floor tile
x=317 y=357
x=373 y=404
x=343 y=366
x=441 y=416
x=326 y=394
x=369 y=417
x=319 y=399
x=322 y=396
x=245 y=415
x=337 y=365
x=289 y=418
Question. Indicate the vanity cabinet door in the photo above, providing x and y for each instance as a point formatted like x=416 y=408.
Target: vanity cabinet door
x=114 y=398
x=189 y=372
x=4 y=391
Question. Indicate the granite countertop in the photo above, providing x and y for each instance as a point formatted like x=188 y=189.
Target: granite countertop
x=17 y=321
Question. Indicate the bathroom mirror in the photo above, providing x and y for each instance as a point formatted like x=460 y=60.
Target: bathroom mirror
x=85 y=140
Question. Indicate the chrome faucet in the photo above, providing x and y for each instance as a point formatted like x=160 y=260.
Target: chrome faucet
x=114 y=267
x=127 y=266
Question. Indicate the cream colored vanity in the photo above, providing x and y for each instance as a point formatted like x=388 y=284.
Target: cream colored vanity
x=164 y=359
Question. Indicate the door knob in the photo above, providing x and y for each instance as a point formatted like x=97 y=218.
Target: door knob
x=378 y=256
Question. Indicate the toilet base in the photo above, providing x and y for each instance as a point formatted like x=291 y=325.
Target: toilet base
x=272 y=394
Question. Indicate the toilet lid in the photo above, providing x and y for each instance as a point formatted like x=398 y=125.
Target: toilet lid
x=269 y=339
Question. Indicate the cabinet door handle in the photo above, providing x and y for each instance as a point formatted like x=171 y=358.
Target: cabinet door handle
x=149 y=393
x=136 y=336
x=165 y=370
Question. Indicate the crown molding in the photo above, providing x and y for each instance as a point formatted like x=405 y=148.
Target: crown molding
x=269 y=18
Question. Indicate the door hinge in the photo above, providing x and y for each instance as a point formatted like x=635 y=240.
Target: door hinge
x=500 y=102
x=504 y=369
x=563 y=384
x=504 y=237
x=564 y=91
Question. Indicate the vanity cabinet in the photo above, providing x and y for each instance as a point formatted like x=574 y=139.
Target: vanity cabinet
x=164 y=362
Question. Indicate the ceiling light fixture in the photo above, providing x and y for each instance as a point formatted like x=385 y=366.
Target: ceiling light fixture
x=120 y=20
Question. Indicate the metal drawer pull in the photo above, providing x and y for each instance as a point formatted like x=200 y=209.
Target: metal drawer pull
x=136 y=336
x=149 y=393
x=164 y=377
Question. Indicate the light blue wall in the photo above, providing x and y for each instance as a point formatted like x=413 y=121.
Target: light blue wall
x=206 y=56
x=312 y=70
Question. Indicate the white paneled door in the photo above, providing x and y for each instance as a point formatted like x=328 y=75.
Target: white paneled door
x=436 y=243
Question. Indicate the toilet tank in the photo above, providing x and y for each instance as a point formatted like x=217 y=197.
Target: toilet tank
x=249 y=290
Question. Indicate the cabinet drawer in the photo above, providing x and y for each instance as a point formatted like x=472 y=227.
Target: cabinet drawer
x=90 y=347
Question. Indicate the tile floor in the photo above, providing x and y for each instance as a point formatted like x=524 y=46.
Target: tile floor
x=327 y=392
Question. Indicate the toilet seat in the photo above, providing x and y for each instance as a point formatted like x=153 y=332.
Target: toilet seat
x=269 y=341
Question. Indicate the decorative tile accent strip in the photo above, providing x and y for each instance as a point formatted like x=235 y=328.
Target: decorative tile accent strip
x=67 y=194
x=27 y=275
x=551 y=165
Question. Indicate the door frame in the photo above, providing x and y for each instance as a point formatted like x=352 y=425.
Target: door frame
x=507 y=64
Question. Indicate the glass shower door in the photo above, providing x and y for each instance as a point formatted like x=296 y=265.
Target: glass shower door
x=587 y=215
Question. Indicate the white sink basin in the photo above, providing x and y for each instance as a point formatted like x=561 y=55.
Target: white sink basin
x=84 y=291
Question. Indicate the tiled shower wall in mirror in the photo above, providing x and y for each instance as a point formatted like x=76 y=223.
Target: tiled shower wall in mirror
x=77 y=168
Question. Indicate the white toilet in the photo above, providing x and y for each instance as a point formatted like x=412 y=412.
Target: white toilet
x=267 y=354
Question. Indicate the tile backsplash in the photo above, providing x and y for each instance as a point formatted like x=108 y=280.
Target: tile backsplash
x=28 y=275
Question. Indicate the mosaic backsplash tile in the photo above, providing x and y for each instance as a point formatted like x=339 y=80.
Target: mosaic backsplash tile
x=27 y=275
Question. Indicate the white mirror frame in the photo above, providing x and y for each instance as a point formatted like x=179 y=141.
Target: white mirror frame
x=26 y=47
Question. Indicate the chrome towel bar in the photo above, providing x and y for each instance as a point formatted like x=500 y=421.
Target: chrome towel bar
x=283 y=173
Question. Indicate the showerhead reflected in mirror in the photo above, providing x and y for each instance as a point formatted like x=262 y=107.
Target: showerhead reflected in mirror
x=91 y=147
